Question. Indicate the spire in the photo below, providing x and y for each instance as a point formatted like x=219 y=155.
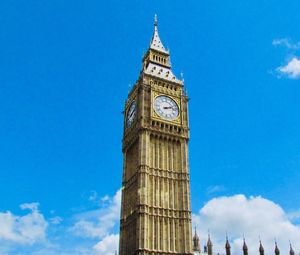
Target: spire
x=156 y=61
x=291 y=250
x=245 y=248
x=277 y=252
x=261 y=248
x=227 y=246
x=156 y=43
x=196 y=246
x=209 y=245
x=196 y=237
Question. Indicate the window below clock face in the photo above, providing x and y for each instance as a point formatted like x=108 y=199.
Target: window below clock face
x=166 y=107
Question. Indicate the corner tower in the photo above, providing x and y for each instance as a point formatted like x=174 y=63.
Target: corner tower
x=155 y=212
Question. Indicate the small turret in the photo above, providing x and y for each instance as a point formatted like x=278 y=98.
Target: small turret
x=209 y=246
x=196 y=246
x=277 y=251
x=227 y=246
x=291 y=250
x=261 y=249
x=245 y=248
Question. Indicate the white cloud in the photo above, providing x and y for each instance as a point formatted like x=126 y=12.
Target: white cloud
x=287 y=43
x=27 y=229
x=108 y=245
x=99 y=223
x=254 y=216
x=292 y=69
x=236 y=215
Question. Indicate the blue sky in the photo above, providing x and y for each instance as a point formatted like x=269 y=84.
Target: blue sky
x=65 y=71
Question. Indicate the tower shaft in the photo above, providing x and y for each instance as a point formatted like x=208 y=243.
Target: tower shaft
x=155 y=212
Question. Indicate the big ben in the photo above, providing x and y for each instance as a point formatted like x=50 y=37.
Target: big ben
x=156 y=212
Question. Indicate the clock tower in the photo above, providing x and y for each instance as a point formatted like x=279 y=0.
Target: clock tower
x=156 y=212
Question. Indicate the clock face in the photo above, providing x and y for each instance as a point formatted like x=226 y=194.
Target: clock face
x=166 y=107
x=131 y=114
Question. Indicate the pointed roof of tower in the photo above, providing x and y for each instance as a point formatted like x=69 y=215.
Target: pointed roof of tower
x=261 y=248
x=156 y=43
x=291 y=250
x=209 y=243
x=277 y=252
x=245 y=247
x=196 y=237
x=196 y=246
x=227 y=245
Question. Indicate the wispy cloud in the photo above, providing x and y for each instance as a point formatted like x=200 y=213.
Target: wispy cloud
x=294 y=216
x=291 y=69
x=100 y=222
x=55 y=220
x=252 y=216
x=286 y=43
x=215 y=189
x=93 y=196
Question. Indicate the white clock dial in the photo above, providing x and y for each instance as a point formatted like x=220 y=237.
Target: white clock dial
x=131 y=114
x=166 y=107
